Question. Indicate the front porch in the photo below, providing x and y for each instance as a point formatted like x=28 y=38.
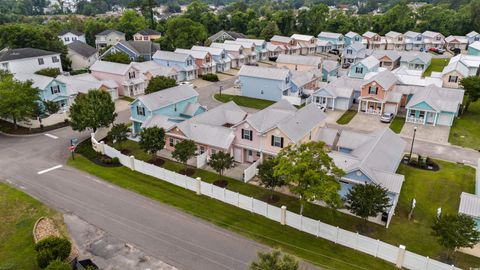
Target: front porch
x=325 y=102
x=422 y=117
x=370 y=106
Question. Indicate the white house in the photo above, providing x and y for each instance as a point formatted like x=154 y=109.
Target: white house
x=108 y=38
x=69 y=36
x=81 y=54
x=28 y=60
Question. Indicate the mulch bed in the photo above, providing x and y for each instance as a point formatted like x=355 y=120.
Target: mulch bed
x=221 y=183
x=157 y=161
x=431 y=166
x=187 y=172
x=9 y=128
x=270 y=199
x=126 y=152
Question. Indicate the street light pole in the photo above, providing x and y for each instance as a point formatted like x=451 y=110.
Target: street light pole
x=413 y=141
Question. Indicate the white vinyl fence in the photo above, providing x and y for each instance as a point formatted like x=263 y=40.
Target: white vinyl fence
x=251 y=171
x=396 y=255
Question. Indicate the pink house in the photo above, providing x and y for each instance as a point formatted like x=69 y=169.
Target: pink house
x=129 y=78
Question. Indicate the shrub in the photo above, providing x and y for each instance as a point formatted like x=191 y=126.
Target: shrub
x=52 y=248
x=58 y=265
x=115 y=160
x=49 y=72
x=210 y=77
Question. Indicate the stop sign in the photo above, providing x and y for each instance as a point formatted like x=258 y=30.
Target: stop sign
x=72 y=148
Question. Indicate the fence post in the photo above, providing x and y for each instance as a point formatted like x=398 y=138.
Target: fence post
x=378 y=247
x=199 y=185
x=132 y=163
x=401 y=256
x=102 y=147
x=336 y=238
x=318 y=228
x=356 y=242
x=283 y=215
x=238 y=199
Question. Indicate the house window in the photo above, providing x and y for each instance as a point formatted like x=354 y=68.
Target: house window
x=131 y=75
x=476 y=38
x=359 y=70
x=453 y=79
x=421 y=114
x=175 y=107
x=277 y=141
x=74 y=38
x=438 y=38
x=55 y=89
x=4 y=65
x=202 y=150
x=140 y=110
x=67 y=39
x=55 y=59
x=349 y=51
x=419 y=38
x=40 y=61
x=171 y=142
x=372 y=90
x=145 y=38
x=247 y=134
x=287 y=79
x=400 y=38
x=258 y=154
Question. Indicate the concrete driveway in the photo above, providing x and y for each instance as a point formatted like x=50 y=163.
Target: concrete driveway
x=366 y=122
x=332 y=116
x=435 y=134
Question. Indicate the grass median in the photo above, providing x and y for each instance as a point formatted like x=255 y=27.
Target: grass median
x=466 y=128
x=309 y=248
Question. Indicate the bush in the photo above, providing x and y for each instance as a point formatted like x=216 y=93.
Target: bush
x=58 y=265
x=210 y=77
x=110 y=161
x=49 y=72
x=52 y=248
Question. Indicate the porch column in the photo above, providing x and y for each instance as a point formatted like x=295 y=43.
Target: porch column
x=435 y=120
x=425 y=118
x=408 y=115
x=381 y=107
x=333 y=104
x=359 y=105
x=368 y=106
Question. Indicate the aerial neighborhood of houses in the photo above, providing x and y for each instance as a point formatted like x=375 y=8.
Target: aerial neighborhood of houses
x=308 y=83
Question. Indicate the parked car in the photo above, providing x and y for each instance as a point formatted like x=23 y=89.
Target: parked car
x=188 y=83
x=456 y=51
x=386 y=117
x=345 y=65
x=334 y=51
x=322 y=108
x=437 y=50
x=252 y=64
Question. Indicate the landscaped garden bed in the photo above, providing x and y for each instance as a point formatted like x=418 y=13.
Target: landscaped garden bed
x=9 y=128
x=420 y=162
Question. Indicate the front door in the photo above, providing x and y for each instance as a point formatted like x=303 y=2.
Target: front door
x=249 y=155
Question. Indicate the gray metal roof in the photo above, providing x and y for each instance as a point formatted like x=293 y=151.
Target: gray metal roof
x=385 y=79
x=469 y=205
x=299 y=59
x=330 y=65
x=282 y=39
x=440 y=99
x=393 y=55
x=15 y=54
x=351 y=34
x=298 y=125
x=327 y=135
x=410 y=56
x=329 y=35
x=38 y=81
x=141 y=47
x=171 y=56
x=108 y=31
x=148 y=32
x=269 y=117
x=264 y=72
x=226 y=114
x=81 y=48
x=370 y=62
x=167 y=97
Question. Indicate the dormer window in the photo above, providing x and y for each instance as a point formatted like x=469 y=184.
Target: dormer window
x=67 y=39
x=140 y=111
x=438 y=38
x=131 y=75
x=55 y=89
x=240 y=51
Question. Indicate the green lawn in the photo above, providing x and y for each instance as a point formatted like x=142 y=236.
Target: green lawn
x=397 y=124
x=18 y=214
x=437 y=65
x=346 y=117
x=466 y=128
x=431 y=190
x=244 y=101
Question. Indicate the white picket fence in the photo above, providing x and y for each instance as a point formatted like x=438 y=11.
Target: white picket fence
x=251 y=171
x=396 y=255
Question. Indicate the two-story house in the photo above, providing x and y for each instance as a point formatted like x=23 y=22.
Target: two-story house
x=413 y=41
x=473 y=36
x=378 y=95
x=50 y=88
x=360 y=69
x=28 y=60
x=183 y=63
x=339 y=94
x=433 y=40
x=264 y=133
x=290 y=45
x=81 y=54
x=459 y=67
x=415 y=60
x=131 y=82
x=299 y=62
x=308 y=44
x=203 y=60
x=82 y=83
x=456 y=42
x=136 y=50
x=220 y=57
x=211 y=131
x=107 y=38
x=395 y=41
x=223 y=35
x=354 y=53
x=273 y=51
x=249 y=50
x=146 y=35
x=329 y=70
x=260 y=47
x=336 y=39
x=234 y=51
x=150 y=69
x=265 y=82
x=164 y=109
x=68 y=36
x=389 y=59
x=374 y=41
x=352 y=37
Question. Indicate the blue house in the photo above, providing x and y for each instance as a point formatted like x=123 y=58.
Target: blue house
x=360 y=69
x=352 y=38
x=354 y=53
x=183 y=63
x=265 y=82
x=335 y=38
x=329 y=70
x=50 y=88
x=165 y=108
x=470 y=206
x=136 y=50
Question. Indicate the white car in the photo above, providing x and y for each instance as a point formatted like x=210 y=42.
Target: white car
x=386 y=118
x=187 y=83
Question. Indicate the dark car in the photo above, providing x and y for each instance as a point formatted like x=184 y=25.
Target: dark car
x=334 y=51
x=345 y=65
x=456 y=51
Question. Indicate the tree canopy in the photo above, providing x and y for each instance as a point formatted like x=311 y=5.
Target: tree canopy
x=152 y=139
x=182 y=32
x=184 y=150
x=117 y=57
x=159 y=83
x=93 y=110
x=472 y=89
x=367 y=200
x=220 y=161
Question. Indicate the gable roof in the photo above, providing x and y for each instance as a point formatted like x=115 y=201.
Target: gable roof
x=267 y=118
x=257 y=42
x=472 y=34
x=227 y=46
x=330 y=65
x=385 y=79
x=475 y=45
x=302 y=37
x=411 y=34
x=66 y=31
x=211 y=50
x=227 y=113
x=193 y=53
x=282 y=39
x=460 y=39
x=369 y=34
x=108 y=31
x=370 y=62
x=82 y=49
x=154 y=69
x=110 y=67
x=140 y=47
x=22 y=53
x=329 y=35
x=171 y=56
x=271 y=73
x=430 y=34
x=440 y=99
x=351 y=34
x=392 y=34
x=469 y=204
x=232 y=34
x=458 y=66
x=148 y=32
x=357 y=46
x=302 y=122
x=299 y=59
x=393 y=55
x=410 y=56
x=38 y=81
x=167 y=97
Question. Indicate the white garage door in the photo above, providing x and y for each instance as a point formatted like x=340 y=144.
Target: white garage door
x=114 y=94
x=445 y=119
x=390 y=108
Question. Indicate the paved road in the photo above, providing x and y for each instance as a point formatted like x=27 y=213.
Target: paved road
x=159 y=230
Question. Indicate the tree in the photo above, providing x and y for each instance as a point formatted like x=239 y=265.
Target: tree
x=119 y=133
x=18 y=100
x=269 y=30
x=117 y=57
x=195 y=10
x=267 y=175
x=310 y=173
x=220 y=162
x=51 y=107
x=49 y=72
x=52 y=248
x=159 y=83
x=472 y=89
x=456 y=231
x=184 y=150
x=367 y=200
x=58 y=265
x=130 y=22
x=274 y=260
x=92 y=110
x=182 y=33
x=152 y=139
